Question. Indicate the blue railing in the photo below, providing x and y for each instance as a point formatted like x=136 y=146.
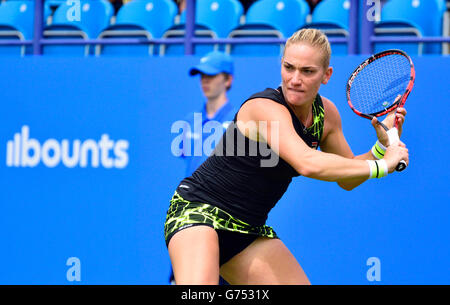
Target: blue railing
x=189 y=40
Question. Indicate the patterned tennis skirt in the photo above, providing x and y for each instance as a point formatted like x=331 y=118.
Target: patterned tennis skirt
x=183 y=214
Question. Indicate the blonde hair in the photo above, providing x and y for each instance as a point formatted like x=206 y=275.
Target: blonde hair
x=314 y=38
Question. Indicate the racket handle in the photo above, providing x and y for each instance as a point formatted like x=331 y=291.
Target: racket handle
x=393 y=138
x=401 y=166
x=393 y=135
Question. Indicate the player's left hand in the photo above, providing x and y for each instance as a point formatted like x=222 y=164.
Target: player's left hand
x=399 y=114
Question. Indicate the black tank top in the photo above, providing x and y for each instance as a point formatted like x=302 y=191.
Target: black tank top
x=242 y=176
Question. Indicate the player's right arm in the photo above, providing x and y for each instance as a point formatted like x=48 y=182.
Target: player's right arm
x=283 y=140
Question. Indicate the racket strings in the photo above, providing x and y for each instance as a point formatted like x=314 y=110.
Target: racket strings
x=376 y=87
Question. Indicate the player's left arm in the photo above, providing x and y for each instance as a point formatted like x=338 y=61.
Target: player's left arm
x=334 y=141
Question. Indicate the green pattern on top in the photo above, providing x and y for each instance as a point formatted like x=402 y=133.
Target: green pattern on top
x=316 y=128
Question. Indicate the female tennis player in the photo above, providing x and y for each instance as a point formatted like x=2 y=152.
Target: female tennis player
x=216 y=220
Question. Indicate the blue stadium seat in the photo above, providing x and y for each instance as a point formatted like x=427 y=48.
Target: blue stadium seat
x=139 y=19
x=221 y=16
x=16 y=23
x=268 y=18
x=332 y=18
x=286 y=16
x=332 y=12
x=213 y=19
x=55 y=2
x=94 y=16
x=305 y=6
x=410 y=18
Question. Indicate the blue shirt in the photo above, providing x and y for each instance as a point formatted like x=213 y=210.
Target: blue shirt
x=201 y=134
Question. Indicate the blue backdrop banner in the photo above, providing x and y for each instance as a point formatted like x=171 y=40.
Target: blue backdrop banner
x=87 y=171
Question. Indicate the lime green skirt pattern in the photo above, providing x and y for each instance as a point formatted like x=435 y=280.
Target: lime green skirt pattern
x=183 y=214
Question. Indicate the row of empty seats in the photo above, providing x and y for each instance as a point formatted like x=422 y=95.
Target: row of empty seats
x=154 y=19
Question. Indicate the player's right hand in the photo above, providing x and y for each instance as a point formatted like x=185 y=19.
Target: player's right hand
x=394 y=154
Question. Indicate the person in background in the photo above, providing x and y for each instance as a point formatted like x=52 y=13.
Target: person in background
x=216 y=77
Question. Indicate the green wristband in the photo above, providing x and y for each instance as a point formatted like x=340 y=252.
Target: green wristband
x=378 y=150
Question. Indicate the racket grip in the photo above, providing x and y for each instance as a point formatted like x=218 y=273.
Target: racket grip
x=393 y=137
x=401 y=166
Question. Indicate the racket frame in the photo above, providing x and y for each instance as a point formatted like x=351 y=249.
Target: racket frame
x=399 y=103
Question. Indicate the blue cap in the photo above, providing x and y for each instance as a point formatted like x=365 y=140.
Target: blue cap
x=213 y=63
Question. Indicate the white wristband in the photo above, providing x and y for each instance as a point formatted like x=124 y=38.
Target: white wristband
x=384 y=170
x=378 y=168
x=371 y=166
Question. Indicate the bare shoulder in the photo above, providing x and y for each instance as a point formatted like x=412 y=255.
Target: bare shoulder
x=259 y=112
x=333 y=139
x=330 y=108
x=332 y=120
x=332 y=116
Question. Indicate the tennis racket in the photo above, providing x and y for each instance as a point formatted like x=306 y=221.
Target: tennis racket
x=379 y=85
